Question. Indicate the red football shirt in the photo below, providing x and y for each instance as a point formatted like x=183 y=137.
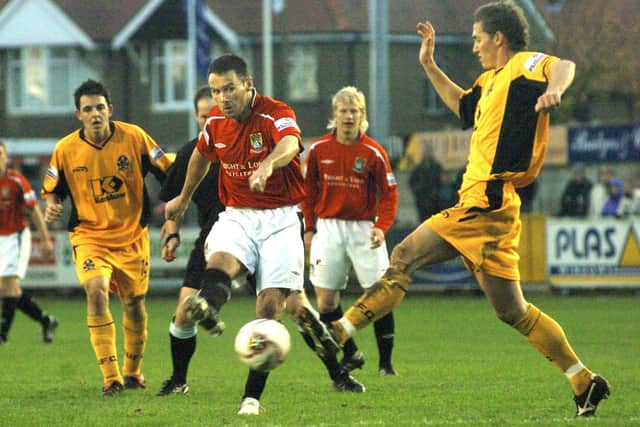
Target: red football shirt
x=349 y=181
x=16 y=195
x=241 y=146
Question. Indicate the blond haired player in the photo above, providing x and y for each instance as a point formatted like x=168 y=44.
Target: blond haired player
x=508 y=107
x=101 y=169
x=351 y=202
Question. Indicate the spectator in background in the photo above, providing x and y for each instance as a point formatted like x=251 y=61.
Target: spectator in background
x=576 y=196
x=634 y=186
x=425 y=182
x=448 y=190
x=599 y=193
x=618 y=204
x=527 y=194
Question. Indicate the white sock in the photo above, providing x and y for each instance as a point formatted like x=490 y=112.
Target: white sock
x=182 y=333
x=348 y=327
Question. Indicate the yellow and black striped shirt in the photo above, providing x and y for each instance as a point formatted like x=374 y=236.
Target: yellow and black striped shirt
x=509 y=138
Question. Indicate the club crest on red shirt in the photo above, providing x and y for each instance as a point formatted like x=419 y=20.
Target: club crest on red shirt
x=358 y=164
x=256 y=142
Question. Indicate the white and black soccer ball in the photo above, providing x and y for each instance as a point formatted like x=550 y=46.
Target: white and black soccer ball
x=263 y=344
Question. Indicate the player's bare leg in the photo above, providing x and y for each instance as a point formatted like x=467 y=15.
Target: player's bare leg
x=269 y=305
x=420 y=248
x=547 y=336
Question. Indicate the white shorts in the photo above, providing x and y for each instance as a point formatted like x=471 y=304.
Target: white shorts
x=267 y=242
x=339 y=244
x=16 y=250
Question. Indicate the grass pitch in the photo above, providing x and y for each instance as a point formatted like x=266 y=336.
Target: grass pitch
x=458 y=365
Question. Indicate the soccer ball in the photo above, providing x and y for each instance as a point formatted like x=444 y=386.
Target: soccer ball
x=263 y=344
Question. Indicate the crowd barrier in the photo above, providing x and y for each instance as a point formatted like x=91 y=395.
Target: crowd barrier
x=559 y=252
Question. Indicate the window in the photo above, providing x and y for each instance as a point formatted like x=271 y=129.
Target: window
x=42 y=79
x=169 y=76
x=554 y=6
x=432 y=101
x=302 y=83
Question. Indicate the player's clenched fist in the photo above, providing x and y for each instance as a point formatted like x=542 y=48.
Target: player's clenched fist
x=53 y=212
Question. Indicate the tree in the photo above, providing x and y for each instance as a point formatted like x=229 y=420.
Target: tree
x=601 y=37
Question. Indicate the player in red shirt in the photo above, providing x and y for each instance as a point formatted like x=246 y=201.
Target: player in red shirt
x=351 y=202
x=256 y=141
x=17 y=199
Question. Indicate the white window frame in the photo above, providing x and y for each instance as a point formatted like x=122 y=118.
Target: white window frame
x=163 y=57
x=302 y=77
x=73 y=67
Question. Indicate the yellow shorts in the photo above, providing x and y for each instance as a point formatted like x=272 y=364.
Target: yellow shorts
x=487 y=239
x=126 y=267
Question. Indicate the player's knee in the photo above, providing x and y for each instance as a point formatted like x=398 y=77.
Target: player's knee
x=508 y=316
x=327 y=306
x=97 y=295
x=292 y=304
x=271 y=303
x=399 y=254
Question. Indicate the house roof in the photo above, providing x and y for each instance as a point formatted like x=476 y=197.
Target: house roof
x=33 y=22
x=103 y=20
x=312 y=16
x=114 y=22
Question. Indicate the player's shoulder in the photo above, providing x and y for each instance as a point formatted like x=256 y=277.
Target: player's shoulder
x=529 y=60
x=129 y=129
x=366 y=139
x=17 y=178
x=322 y=141
x=321 y=146
x=266 y=105
x=372 y=144
x=69 y=140
x=13 y=173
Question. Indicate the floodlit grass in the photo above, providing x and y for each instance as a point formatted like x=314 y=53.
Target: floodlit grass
x=458 y=365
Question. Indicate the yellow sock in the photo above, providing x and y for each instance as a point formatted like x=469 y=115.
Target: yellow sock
x=382 y=297
x=547 y=336
x=102 y=333
x=135 y=340
x=579 y=380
